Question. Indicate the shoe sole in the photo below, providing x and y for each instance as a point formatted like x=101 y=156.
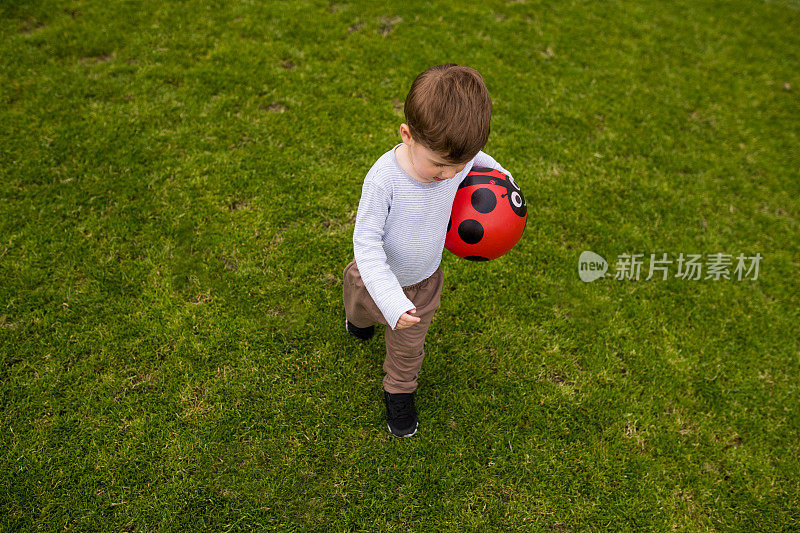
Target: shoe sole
x=402 y=436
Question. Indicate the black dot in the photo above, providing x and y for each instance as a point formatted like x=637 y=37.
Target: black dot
x=476 y=258
x=449 y=223
x=470 y=231
x=483 y=200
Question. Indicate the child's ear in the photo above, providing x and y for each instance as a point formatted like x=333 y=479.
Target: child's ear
x=405 y=133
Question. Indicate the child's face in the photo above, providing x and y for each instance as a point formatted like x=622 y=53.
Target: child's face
x=429 y=165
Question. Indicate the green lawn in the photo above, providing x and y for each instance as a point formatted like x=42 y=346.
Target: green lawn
x=179 y=183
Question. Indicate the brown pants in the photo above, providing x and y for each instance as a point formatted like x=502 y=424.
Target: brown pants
x=404 y=347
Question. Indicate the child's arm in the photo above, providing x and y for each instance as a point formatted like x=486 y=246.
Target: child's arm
x=485 y=160
x=381 y=283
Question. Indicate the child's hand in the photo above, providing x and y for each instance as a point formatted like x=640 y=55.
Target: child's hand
x=406 y=320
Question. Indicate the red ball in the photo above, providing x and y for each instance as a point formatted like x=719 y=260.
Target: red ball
x=488 y=217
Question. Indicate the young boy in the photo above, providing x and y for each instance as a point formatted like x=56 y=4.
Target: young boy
x=396 y=278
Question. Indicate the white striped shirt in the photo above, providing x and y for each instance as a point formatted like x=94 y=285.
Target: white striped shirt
x=400 y=229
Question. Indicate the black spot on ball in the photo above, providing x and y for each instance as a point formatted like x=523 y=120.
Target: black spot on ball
x=470 y=231
x=449 y=223
x=476 y=258
x=483 y=200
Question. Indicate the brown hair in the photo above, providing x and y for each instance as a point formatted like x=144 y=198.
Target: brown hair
x=448 y=110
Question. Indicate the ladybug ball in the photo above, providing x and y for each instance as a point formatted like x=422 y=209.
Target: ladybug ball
x=488 y=217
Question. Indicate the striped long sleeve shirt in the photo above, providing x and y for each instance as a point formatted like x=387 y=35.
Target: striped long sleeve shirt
x=400 y=229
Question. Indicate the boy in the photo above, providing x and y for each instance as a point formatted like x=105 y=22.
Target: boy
x=396 y=278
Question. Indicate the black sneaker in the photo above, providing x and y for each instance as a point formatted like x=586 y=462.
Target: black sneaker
x=401 y=414
x=364 y=334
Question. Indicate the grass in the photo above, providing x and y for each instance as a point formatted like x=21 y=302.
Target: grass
x=179 y=186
